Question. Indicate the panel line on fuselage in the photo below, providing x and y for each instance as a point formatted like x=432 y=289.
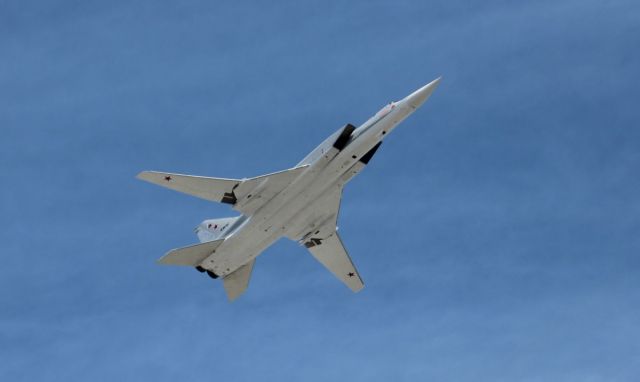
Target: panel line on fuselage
x=363 y=129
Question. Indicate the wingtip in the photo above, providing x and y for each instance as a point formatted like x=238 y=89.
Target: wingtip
x=164 y=258
x=141 y=175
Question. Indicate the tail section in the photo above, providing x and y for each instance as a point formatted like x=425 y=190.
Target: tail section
x=192 y=255
x=237 y=282
x=214 y=229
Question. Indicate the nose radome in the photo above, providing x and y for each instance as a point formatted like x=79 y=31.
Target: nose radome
x=417 y=98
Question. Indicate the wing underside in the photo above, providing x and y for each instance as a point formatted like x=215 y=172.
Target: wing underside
x=246 y=195
x=213 y=189
x=316 y=229
x=331 y=253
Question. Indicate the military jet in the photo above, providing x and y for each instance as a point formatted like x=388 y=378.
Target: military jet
x=301 y=203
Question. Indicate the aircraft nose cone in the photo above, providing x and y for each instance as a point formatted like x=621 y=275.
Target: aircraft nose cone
x=417 y=98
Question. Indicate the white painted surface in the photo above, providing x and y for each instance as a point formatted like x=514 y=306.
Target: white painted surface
x=301 y=203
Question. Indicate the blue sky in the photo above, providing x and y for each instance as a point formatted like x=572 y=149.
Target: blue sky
x=497 y=229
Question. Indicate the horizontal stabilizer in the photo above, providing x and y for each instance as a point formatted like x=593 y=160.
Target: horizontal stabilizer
x=237 y=282
x=192 y=255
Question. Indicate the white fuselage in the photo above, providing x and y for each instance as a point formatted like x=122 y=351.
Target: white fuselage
x=284 y=214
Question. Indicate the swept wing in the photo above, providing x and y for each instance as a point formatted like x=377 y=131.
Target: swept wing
x=319 y=235
x=246 y=195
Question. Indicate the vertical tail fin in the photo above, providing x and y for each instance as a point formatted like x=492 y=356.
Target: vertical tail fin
x=214 y=229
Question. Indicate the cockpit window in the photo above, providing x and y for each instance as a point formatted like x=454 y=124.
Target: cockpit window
x=385 y=110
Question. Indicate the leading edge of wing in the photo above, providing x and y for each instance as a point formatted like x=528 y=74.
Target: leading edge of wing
x=213 y=189
x=236 y=192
